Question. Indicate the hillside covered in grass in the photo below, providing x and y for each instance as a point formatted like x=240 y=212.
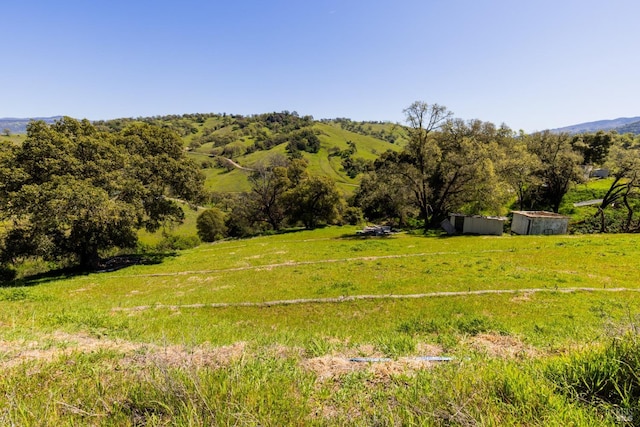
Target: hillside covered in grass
x=326 y=328
x=252 y=140
x=270 y=172
x=320 y=326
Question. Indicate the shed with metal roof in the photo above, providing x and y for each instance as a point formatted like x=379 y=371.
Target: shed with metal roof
x=539 y=222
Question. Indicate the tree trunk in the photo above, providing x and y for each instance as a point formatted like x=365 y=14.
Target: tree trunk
x=603 y=225
x=627 y=226
x=90 y=259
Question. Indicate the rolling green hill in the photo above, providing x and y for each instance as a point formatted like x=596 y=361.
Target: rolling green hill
x=232 y=138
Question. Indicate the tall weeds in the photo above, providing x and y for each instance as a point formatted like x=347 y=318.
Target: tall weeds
x=607 y=377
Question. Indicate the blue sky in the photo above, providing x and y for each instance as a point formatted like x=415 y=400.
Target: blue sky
x=530 y=64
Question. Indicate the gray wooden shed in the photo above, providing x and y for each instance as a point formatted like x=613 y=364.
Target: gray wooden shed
x=539 y=222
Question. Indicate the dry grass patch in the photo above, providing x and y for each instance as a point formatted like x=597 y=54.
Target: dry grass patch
x=47 y=348
x=524 y=297
x=333 y=366
x=176 y=356
x=501 y=346
x=50 y=347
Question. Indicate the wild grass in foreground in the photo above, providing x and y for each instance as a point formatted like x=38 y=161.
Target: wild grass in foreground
x=275 y=388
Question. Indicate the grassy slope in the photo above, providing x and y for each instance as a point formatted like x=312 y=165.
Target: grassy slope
x=331 y=135
x=277 y=376
x=187 y=228
x=253 y=272
x=236 y=180
x=14 y=138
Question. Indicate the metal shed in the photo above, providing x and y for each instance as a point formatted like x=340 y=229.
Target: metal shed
x=600 y=173
x=539 y=222
x=476 y=224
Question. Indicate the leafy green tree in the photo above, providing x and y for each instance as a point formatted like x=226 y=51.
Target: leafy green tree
x=594 y=147
x=467 y=178
x=314 y=201
x=353 y=215
x=448 y=165
x=384 y=196
x=265 y=205
x=240 y=220
x=72 y=191
x=560 y=167
x=420 y=158
x=268 y=186
x=519 y=168
x=211 y=226
x=624 y=167
x=303 y=140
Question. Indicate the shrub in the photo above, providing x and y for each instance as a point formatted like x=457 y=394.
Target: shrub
x=7 y=274
x=172 y=242
x=206 y=164
x=353 y=215
x=211 y=226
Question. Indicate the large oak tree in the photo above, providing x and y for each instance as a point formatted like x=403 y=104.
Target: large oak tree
x=560 y=167
x=71 y=191
x=448 y=165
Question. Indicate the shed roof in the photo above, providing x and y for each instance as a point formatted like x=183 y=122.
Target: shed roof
x=501 y=218
x=541 y=214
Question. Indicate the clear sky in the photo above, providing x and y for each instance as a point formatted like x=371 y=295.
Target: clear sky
x=532 y=64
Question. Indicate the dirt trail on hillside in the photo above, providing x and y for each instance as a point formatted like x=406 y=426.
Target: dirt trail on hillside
x=351 y=298
x=238 y=166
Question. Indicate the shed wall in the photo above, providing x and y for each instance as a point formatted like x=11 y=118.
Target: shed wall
x=549 y=226
x=523 y=224
x=479 y=225
x=519 y=223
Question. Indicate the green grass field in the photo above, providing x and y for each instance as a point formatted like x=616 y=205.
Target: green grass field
x=17 y=138
x=261 y=332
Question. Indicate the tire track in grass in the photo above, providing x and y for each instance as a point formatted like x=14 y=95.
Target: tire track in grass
x=299 y=263
x=352 y=298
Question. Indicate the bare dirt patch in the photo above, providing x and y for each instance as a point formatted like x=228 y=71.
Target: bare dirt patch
x=327 y=367
x=334 y=367
x=502 y=346
x=176 y=356
x=47 y=348
x=366 y=358
x=524 y=297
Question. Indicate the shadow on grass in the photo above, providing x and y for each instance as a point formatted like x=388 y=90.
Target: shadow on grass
x=430 y=234
x=283 y=231
x=356 y=236
x=106 y=265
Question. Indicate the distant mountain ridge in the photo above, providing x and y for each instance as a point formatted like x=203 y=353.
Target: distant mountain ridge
x=620 y=125
x=17 y=125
